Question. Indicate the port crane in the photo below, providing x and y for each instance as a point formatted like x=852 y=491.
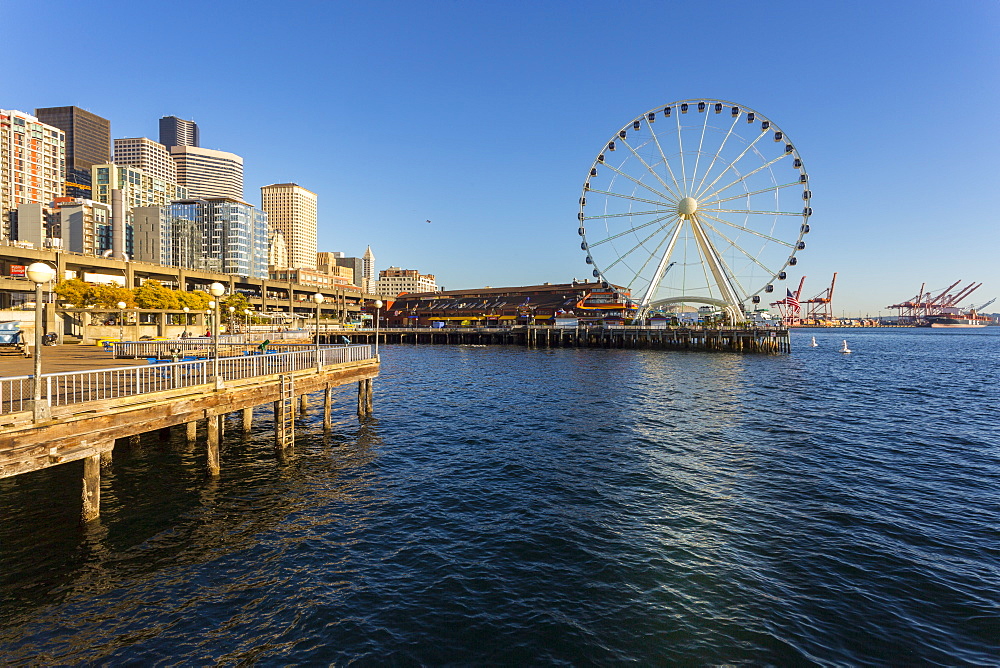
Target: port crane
x=925 y=303
x=818 y=309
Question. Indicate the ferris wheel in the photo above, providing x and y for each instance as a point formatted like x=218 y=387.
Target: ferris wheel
x=700 y=202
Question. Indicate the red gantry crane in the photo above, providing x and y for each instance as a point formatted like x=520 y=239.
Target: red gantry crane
x=924 y=304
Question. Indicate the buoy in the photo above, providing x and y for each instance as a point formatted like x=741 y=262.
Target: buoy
x=845 y=349
x=813 y=344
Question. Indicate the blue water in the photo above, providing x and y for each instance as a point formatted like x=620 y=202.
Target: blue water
x=514 y=506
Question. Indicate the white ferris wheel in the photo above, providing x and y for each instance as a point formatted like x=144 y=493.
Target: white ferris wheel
x=700 y=202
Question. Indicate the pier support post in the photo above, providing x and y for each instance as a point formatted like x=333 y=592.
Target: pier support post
x=213 y=437
x=247 y=420
x=191 y=433
x=91 y=487
x=303 y=403
x=327 y=405
x=365 y=397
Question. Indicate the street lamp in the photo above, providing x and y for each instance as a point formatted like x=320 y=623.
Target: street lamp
x=216 y=290
x=232 y=319
x=121 y=320
x=378 y=305
x=319 y=299
x=38 y=273
x=185 y=333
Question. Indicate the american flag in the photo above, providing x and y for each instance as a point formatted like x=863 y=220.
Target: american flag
x=792 y=300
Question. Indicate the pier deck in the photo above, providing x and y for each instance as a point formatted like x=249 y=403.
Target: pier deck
x=87 y=410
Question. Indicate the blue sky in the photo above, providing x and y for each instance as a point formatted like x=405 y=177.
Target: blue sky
x=484 y=117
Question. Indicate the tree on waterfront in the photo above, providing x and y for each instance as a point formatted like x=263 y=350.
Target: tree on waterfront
x=154 y=295
x=108 y=296
x=195 y=300
x=73 y=291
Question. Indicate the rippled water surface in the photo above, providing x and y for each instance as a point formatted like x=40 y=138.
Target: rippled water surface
x=565 y=506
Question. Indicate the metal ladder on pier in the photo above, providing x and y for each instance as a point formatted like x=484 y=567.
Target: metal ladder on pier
x=285 y=419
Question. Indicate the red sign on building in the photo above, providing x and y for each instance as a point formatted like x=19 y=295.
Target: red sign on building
x=17 y=270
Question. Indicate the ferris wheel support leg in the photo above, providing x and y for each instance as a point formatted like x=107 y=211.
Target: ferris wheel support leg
x=661 y=269
x=715 y=266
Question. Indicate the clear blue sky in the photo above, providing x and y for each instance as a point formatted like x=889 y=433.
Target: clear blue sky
x=484 y=117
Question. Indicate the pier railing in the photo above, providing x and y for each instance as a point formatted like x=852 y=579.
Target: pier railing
x=185 y=347
x=60 y=389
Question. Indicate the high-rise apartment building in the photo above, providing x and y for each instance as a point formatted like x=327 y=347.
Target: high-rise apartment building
x=291 y=210
x=138 y=188
x=150 y=156
x=88 y=143
x=217 y=234
x=178 y=132
x=277 y=255
x=32 y=164
x=85 y=225
x=208 y=173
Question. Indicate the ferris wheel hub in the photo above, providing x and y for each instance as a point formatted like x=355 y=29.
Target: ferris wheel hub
x=687 y=206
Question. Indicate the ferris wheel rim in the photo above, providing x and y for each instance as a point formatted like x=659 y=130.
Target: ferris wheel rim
x=667 y=190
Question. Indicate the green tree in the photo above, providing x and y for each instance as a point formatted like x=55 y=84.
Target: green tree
x=154 y=295
x=74 y=291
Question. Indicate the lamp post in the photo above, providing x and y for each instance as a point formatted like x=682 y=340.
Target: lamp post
x=318 y=299
x=38 y=273
x=378 y=305
x=185 y=332
x=121 y=320
x=232 y=319
x=216 y=290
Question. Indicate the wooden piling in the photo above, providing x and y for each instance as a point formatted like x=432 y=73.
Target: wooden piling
x=247 y=420
x=212 y=443
x=91 y=488
x=327 y=406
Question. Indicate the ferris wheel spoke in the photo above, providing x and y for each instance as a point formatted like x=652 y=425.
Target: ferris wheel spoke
x=680 y=144
x=744 y=177
x=718 y=152
x=662 y=267
x=747 y=229
x=706 y=203
x=626 y=215
x=666 y=162
x=630 y=230
x=737 y=247
x=730 y=165
x=655 y=252
x=650 y=170
x=697 y=156
x=750 y=212
x=637 y=246
x=630 y=197
x=636 y=181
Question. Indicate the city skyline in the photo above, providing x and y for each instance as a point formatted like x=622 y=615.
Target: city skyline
x=483 y=120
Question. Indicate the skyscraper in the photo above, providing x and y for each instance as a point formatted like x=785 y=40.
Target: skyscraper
x=291 y=210
x=88 y=143
x=32 y=164
x=208 y=173
x=178 y=132
x=368 y=272
x=151 y=157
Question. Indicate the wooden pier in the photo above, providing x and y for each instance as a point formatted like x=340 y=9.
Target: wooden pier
x=86 y=412
x=761 y=340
